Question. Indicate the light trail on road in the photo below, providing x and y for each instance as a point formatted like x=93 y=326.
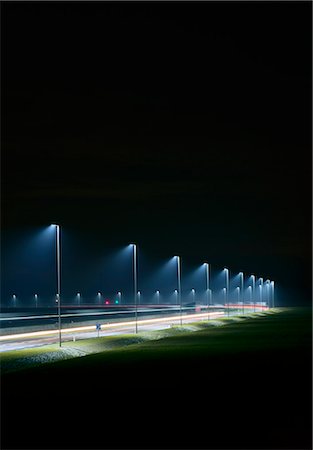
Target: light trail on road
x=84 y=314
x=81 y=332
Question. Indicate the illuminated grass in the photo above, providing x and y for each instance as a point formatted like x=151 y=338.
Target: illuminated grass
x=247 y=332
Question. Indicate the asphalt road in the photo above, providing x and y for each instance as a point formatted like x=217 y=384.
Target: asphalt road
x=40 y=332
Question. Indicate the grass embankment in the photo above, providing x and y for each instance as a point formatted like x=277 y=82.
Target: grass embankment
x=30 y=357
x=244 y=385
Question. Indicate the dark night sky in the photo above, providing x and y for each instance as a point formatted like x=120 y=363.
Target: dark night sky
x=185 y=127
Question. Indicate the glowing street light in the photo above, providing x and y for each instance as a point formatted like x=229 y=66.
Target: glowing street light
x=227 y=289
x=78 y=297
x=158 y=296
x=176 y=296
x=238 y=294
x=58 y=261
x=267 y=290
x=14 y=300
x=207 y=286
x=242 y=292
x=179 y=287
x=250 y=294
x=139 y=296
x=193 y=293
x=99 y=297
x=261 y=290
x=253 y=291
x=273 y=293
x=36 y=300
x=135 y=284
x=119 y=296
x=260 y=295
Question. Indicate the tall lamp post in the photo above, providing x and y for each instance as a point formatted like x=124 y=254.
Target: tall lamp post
x=261 y=290
x=207 y=286
x=227 y=289
x=224 y=295
x=179 y=288
x=58 y=261
x=253 y=291
x=242 y=291
x=193 y=293
x=250 y=293
x=267 y=290
x=135 y=283
x=238 y=295
x=273 y=293
x=158 y=297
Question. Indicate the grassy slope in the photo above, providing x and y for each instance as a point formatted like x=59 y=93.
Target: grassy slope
x=247 y=385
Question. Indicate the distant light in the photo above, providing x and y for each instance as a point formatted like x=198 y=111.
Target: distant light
x=107 y=302
x=116 y=302
x=99 y=293
x=14 y=296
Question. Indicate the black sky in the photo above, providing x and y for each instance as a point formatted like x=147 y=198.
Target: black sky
x=183 y=126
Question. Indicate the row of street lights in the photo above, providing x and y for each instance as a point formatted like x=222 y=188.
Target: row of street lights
x=135 y=284
x=208 y=293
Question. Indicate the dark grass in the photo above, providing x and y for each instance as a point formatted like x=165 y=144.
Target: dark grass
x=243 y=386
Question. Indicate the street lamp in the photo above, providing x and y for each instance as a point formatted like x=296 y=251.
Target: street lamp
x=224 y=295
x=78 y=297
x=58 y=261
x=261 y=290
x=227 y=289
x=36 y=300
x=158 y=296
x=179 y=287
x=238 y=294
x=176 y=296
x=267 y=290
x=253 y=291
x=242 y=291
x=273 y=294
x=207 y=286
x=135 y=283
x=250 y=294
x=193 y=293
x=119 y=295
x=14 y=300
x=139 y=295
x=99 y=297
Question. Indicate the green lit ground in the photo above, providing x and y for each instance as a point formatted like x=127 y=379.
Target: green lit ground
x=243 y=385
